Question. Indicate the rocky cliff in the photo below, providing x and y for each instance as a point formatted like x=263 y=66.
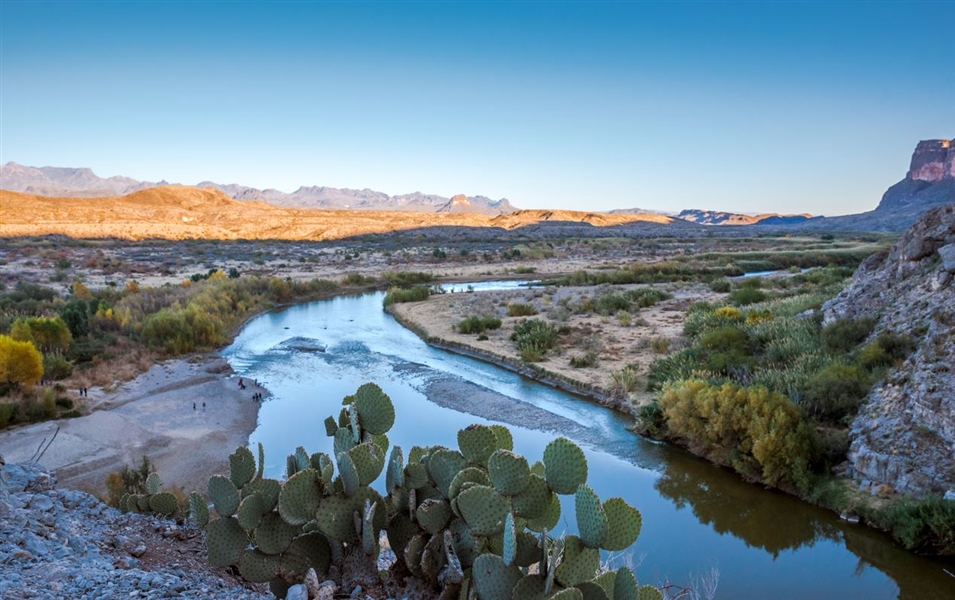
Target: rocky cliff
x=904 y=436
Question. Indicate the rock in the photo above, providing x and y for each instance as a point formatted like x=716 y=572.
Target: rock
x=904 y=436
x=949 y=495
x=297 y=592
x=138 y=550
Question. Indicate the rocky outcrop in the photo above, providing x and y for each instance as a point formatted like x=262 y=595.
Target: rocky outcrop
x=67 y=544
x=713 y=217
x=904 y=436
x=933 y=160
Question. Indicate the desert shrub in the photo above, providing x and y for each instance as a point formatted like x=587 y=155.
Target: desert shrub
x=895 y=345
x=660 y=345
x=746 y=295
x=40 y=407
x=626 y=380
x=478 y=324
x=623 y=318
x=524 y=270
x=926 y=525
x=56 y=367
x=724 y=339
x=357 y=279
x=836 y=392
x=127 y=481
x=405 y=278
x=519 y=309
x=645 y=297
x=8 y=411
x=843 y=335
x=416 y=293
x=757 y=432
x=64 y=402
x=534 y=338
x=720 y=285
x=832 y=447
x=584 y=361
x=872 y=356
x=611 y=303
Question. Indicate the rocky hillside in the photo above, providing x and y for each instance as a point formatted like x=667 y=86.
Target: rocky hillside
x=714 y=217
x=67 y=544
x=83 y=183
x=904 y=437
x=930 y=182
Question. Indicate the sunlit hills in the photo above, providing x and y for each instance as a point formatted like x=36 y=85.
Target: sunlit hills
x=183 y=212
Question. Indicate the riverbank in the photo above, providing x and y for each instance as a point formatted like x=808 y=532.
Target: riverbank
x=618 y=344
x=185 y=415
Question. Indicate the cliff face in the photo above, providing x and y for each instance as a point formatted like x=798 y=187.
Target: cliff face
x=933 y=160
x=930 y=180
x=904 y=437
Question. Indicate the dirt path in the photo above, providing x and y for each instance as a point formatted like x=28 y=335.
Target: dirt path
x=152 y=415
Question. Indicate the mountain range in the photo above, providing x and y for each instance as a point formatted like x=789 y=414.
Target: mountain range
x=929 y=182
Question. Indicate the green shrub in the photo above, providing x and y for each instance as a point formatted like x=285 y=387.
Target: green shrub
x=660 y=345
x=56 y=367
x=64 y=402
x=843 y=335
x=8 y=411
x=724 y=339
x=746 y=295
x=626 y=380
x=759 y=433
x=645 y=297
x=534 y=338
x=926 y=525
x=895 y=345
x=398 y=295
x=478 y=324
x=518 y=309
x=623 y=318
x=836 y=392
x=720 y=285
x=611 y=303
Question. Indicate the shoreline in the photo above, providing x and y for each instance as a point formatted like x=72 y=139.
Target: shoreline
x=186 y=415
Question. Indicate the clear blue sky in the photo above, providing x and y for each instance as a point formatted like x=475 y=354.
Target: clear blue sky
x=744 y=106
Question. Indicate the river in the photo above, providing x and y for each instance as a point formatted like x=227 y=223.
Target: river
x=696 y=517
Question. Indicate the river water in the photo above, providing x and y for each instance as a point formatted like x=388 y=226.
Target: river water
x=696 y=517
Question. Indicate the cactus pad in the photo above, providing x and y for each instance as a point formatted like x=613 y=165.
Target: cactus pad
x=533 y=499
x=400 y=531
x=648 y=592
x=330 y=426
x=375 y=409
x=565 y=466
x=343 y=441
x=226 y=540
x=258 y=567
x=269 y=489
x=606 y=581
x=591 y=590
x=273 y=535
x=509 y=550
x=504 y=439
x=468 y=475
x=433 y=515
x=310 y=550
x=336 y=519
x=223 y=494
x=300 y=497
x=153 y=484
x=548 y=518
x=483 y=509
x=241 y=466
x=493 y=580
x=433 y=557
x=198 y=509
x=416 y=475
x=348 y=473
x=477 y=442
x=465 y=546
x=580 y=563
x=591 y=519
x=413 y=551
x=508 y=471
x=625 y=585
x=568 y=594
x=251 y=511
x=369 y=460
x=624 y=523
x=395 y=475
x=443 y=465
x=163 y=503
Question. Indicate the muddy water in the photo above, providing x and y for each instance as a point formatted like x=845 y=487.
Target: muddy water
x=697 y=518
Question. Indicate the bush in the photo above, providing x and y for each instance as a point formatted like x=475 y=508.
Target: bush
x=478 y=324
x=534 y=338
x=645 y=297
x=8 y=412
x=64 y=402
x=20 y=362
x=517 y=309
x=660 y=345
x=836 y=392
x=582 y=362
x=56 y=367
x=757 y=432
x=724 y=339
x=127 y=481
x=746 y=295
x=925 y=526
x=623 y=318
x=611 y=303
x=626 y=380
x=843 y=335
x=720 y=285
x=398 y=295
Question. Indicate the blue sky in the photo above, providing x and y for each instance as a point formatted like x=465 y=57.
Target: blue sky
x=744 y=106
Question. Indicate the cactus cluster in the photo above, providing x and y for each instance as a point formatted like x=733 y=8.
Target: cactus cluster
x=472 y=521
x=153 y=501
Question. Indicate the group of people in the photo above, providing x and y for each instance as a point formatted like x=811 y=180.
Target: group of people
x=257 y=396
x=84 y=391
x=203 y=405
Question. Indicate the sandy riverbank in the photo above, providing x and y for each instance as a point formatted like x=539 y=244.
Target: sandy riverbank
x=151 y=415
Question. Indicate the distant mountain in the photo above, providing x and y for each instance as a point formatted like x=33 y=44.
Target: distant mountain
x=83 y=183
x=713 y=217
x=930 y=182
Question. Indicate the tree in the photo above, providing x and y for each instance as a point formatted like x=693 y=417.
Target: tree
x=20 y=362
x=50 y=334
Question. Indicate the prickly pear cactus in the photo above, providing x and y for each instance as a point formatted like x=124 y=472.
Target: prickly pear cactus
x=154 y=501
x=462 y=520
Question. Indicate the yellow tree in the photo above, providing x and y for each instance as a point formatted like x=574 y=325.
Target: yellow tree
x=20 y=362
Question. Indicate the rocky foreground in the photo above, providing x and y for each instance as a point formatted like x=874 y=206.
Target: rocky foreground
x=58 y=543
